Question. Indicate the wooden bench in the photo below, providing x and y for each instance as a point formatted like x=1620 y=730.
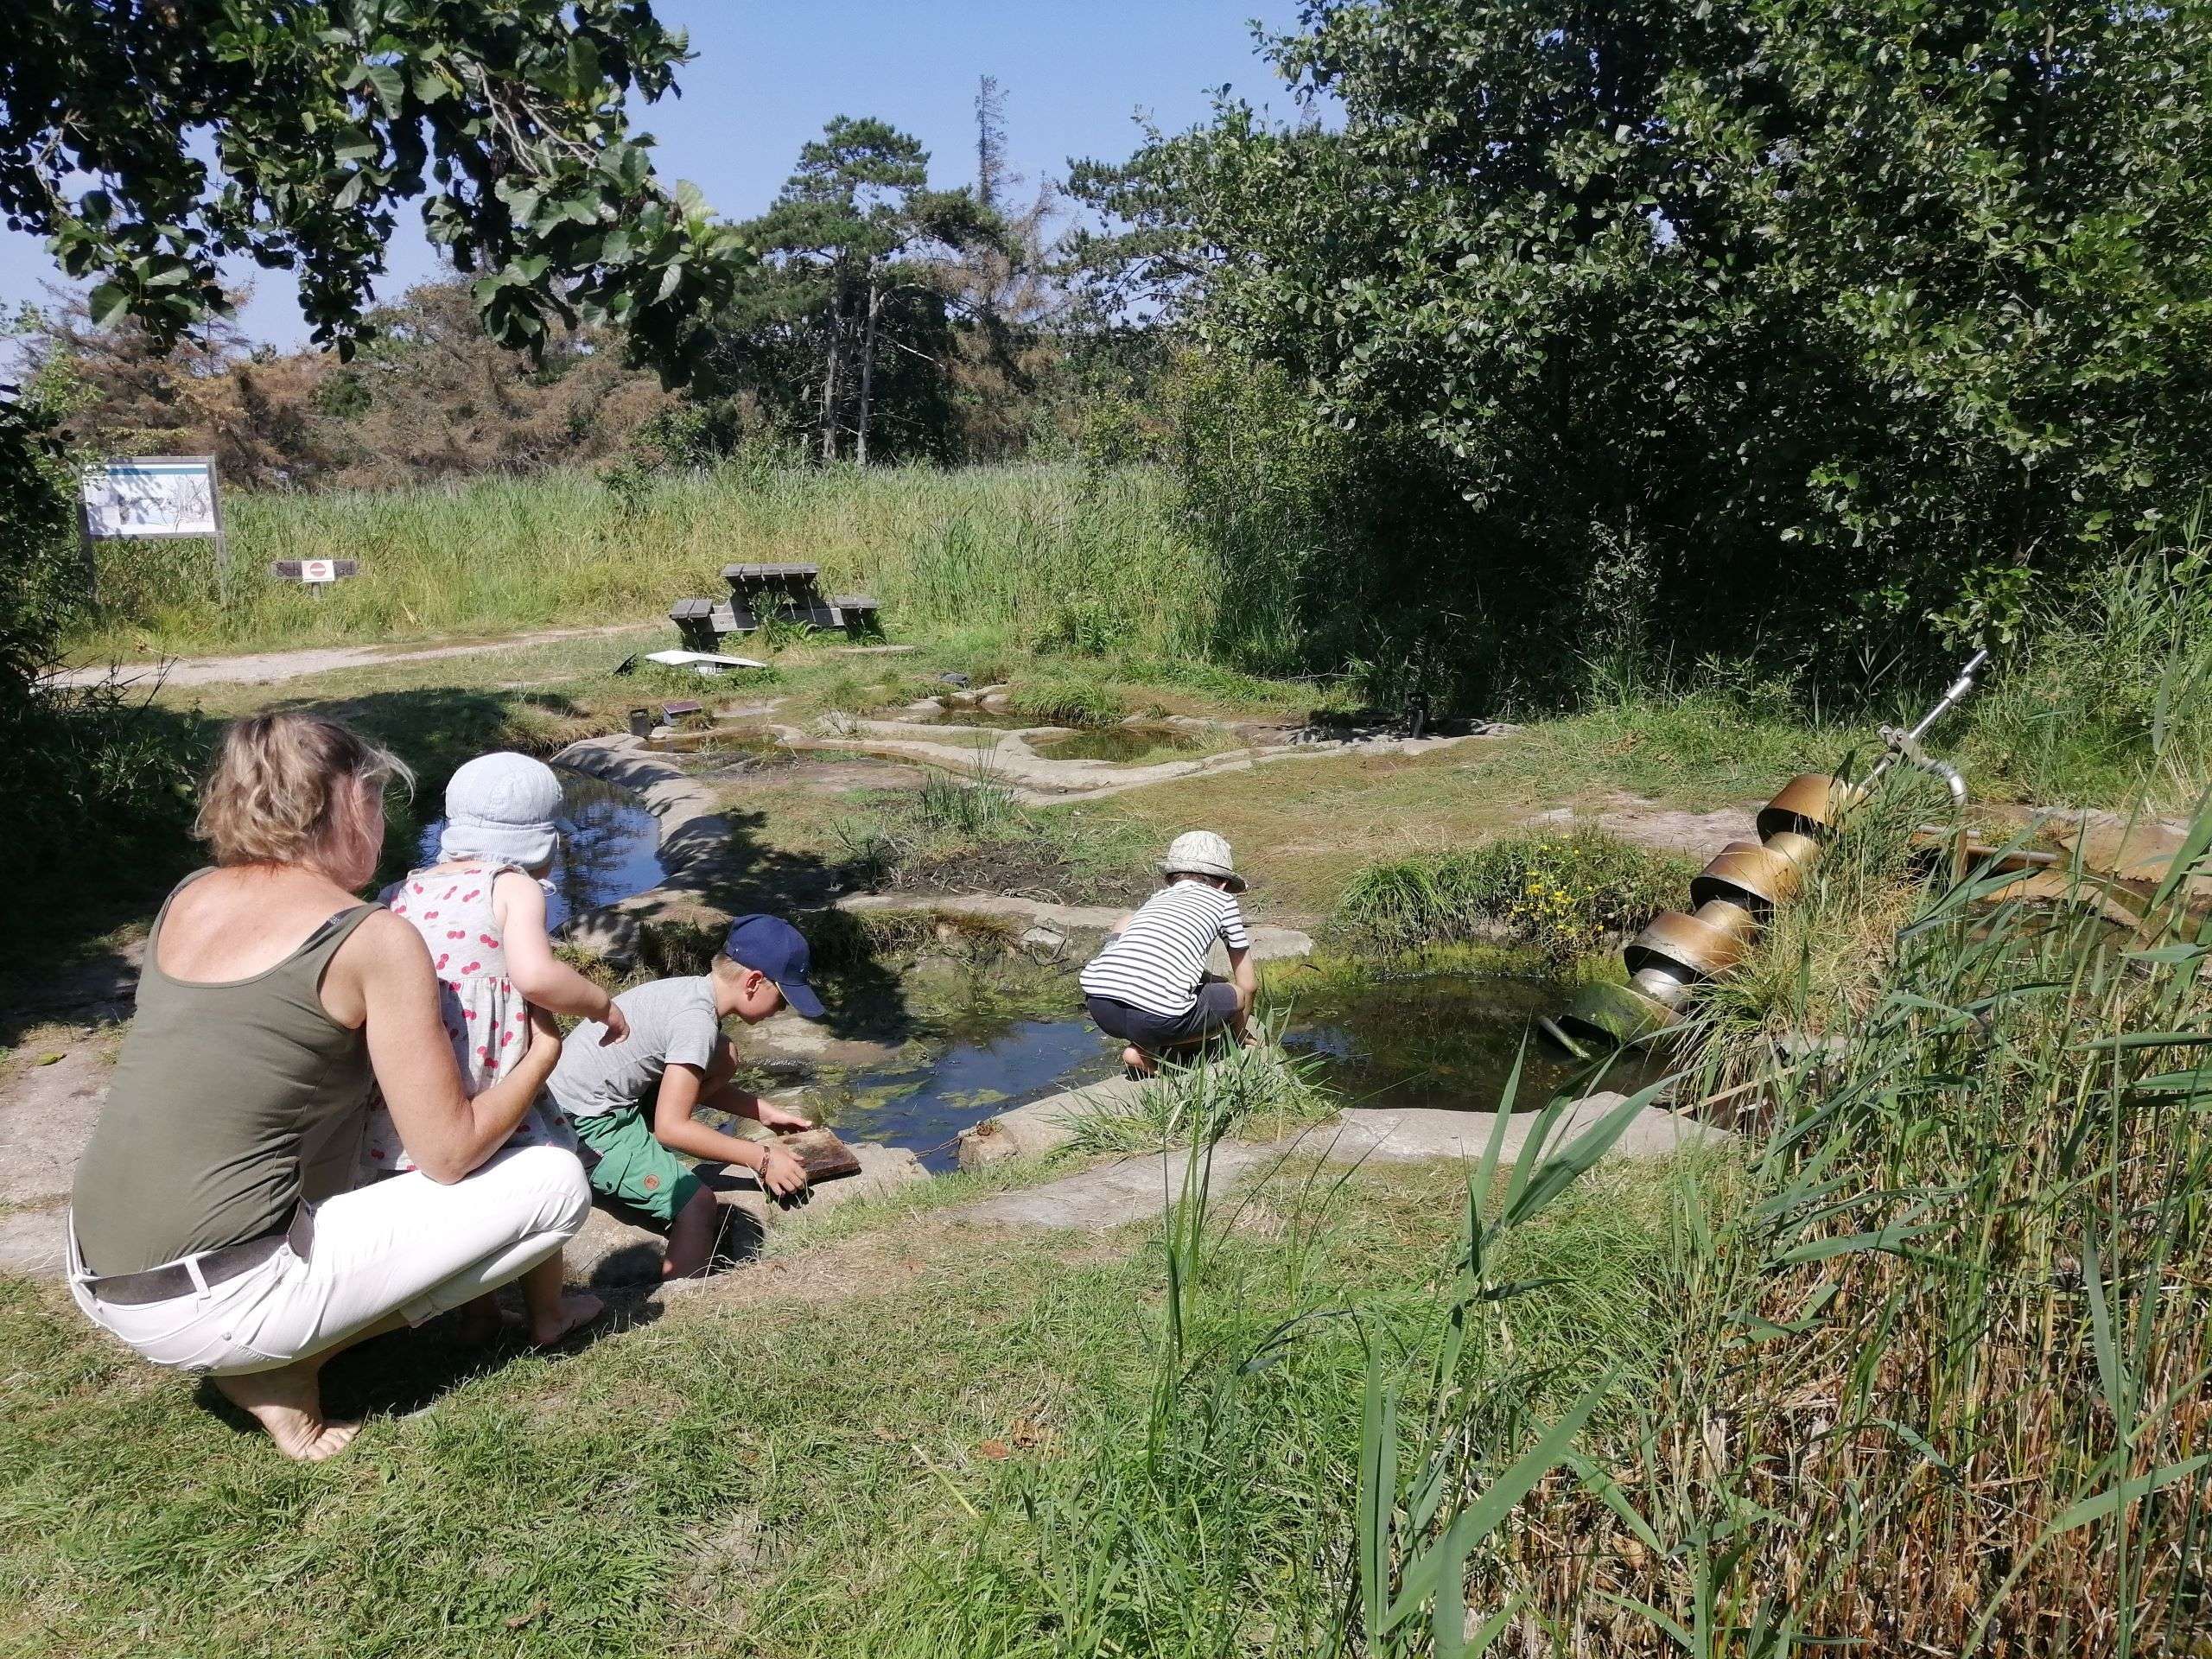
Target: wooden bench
x=695 y=622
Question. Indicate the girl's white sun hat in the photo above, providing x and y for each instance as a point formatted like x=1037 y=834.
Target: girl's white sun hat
x=505 y=807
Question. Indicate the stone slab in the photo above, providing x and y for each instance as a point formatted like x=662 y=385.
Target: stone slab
x=1035 y=779
x=1113 y=1195
x=30 y=1242
x=46 y=1116
x=1042 y=1127
x=1416 y=1134
x=1132 y=1189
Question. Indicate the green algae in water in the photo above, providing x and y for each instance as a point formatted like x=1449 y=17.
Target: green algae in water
x=1445 y=1035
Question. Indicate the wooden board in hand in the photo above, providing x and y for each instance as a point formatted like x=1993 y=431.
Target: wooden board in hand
x=822 y=1154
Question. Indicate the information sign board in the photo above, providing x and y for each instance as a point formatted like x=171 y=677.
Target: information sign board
x=151 y=495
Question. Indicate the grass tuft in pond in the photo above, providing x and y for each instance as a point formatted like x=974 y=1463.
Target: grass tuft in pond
x=1067 y=697
x=1256 y=1093
x=969 y=834
x=1563 y=894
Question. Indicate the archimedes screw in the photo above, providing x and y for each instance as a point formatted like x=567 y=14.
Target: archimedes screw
x=1736 y=893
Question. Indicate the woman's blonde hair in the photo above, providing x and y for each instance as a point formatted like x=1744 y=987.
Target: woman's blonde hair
x=279 y=784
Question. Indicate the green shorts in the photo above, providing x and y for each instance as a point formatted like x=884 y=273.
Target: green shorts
x=625 y=1162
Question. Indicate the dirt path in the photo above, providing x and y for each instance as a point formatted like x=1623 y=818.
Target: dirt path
x=270 y=667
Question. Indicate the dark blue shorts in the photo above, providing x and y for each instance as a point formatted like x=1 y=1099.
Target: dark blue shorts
x=1155 y=1033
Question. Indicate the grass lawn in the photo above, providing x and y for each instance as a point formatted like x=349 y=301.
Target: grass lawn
x=874 y=1442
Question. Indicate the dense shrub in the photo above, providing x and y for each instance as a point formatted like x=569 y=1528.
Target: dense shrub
x=86 y=774
x=2109 y=695
x=1774 y=328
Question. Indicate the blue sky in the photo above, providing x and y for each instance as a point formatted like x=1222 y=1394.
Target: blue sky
x=771 y=72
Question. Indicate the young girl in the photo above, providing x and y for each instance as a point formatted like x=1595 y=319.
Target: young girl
x=481 y=911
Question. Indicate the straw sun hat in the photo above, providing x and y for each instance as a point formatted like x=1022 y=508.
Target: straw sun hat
x=1201 y=852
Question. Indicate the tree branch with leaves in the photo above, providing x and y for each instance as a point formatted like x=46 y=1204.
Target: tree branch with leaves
x=508 y=119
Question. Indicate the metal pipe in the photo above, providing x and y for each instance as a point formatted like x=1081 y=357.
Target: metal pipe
x=1950 y=700
x=1675 y=952
x=1953 y=779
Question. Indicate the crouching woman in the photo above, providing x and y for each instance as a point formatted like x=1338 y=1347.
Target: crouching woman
x=211 y=1229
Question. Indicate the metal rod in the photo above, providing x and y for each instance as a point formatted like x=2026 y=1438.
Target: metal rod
x=1950 y=700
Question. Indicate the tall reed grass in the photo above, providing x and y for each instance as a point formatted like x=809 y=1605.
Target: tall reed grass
x=1924 y=1365
x=1020 y=549
x=2109 y=694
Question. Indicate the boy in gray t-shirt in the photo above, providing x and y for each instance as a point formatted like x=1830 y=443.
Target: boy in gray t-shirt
x=632 y=1101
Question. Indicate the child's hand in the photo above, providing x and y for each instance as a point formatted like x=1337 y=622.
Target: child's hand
x=782 y=1176
x=618 y=1026
x=775 y=1117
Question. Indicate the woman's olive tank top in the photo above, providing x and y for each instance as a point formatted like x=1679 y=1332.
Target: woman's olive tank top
x=231 y=1102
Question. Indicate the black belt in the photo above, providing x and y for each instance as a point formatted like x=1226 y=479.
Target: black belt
x=174 y=1279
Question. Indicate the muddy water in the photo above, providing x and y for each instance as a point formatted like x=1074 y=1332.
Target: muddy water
x=1443 y=1038
x=981 y=718
x=610 y=847
x=1120 y=744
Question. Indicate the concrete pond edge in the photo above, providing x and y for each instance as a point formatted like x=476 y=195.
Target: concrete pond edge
x=1115 y=1192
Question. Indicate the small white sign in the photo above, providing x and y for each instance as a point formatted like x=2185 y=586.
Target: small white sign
x=317 y=570
x=151 y=495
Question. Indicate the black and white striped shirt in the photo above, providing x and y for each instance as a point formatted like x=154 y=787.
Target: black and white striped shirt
x=1157 y=961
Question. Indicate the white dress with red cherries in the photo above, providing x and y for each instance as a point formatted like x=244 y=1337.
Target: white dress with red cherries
x=486 y=1018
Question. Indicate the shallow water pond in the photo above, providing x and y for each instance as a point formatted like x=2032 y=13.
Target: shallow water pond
x=1444 y=1039
x=926 y=1104
x=1120 y=744
x=981 y=718
x=1441 y=1038
x=610 y=846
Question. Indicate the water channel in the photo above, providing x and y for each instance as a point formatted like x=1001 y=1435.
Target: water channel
x=610 y=847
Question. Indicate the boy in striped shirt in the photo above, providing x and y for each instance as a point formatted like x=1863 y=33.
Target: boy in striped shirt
x=1148 y=985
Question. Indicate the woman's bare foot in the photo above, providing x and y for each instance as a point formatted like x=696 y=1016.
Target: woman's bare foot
x=571 y=1313
x=288 y=1404
x=1137 y=1062
x=480 y=1323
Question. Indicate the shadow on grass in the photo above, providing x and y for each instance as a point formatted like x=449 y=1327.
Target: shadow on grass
x=410 y=1371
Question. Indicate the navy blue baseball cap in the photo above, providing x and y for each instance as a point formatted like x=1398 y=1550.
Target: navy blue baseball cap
x=774 y=947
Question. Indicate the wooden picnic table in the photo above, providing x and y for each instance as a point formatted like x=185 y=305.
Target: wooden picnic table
x=781 y=592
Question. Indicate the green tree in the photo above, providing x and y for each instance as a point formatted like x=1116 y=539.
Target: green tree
x=508 y=118
x=849 y=248
x=1620 y=307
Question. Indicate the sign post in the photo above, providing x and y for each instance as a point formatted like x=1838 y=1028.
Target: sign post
x=149 y=497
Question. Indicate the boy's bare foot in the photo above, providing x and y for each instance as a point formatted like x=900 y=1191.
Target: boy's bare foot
x=573 y=1313
x=288 y=1404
